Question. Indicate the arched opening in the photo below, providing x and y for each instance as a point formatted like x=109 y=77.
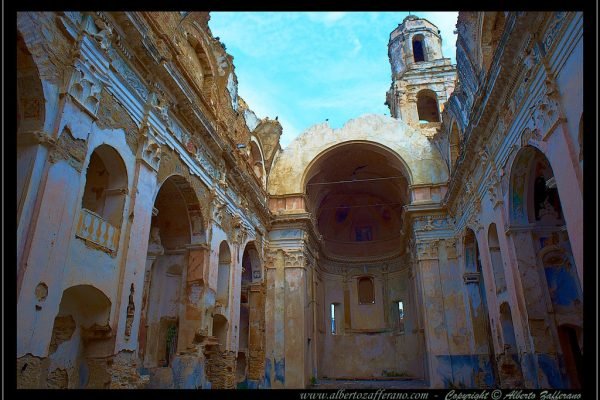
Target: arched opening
x=82 y=340
x=491 y=31
x=454 y=146
x=496 y=258
x=224 y=274
x=256 y=161
x=475 y=287
x=534 y=194
x=553 y=294
x=251 y=325
x=172 y=230
x=357 y=192
x=427 y=106
x=105 y=185
x=30 y=94
x=31 y=110
x=418 y=44
x=220 y=325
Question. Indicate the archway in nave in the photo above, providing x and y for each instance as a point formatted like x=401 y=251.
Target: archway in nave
x=165 y=321
x=82 y=340
x=365 y=312
x=251 y=324
x=551 y=285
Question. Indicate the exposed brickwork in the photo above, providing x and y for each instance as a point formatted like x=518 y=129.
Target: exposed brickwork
x=124 y=372
x=112 y=115
x=58 y=379
x=62 y=331
x=70 y=149
x=221 y=369
x=99 y=373
x=30 y=371
x=256 y=342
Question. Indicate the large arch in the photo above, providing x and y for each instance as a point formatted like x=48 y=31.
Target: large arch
x=106 y=184
x=424 y=164
x=357 y=192
x=552 y=289
x=428 y=107
x=491 y=30
x=176 y=224
x=251 y=336
x=82 y=340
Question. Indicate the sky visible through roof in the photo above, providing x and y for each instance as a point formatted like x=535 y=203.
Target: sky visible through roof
x=309 y=67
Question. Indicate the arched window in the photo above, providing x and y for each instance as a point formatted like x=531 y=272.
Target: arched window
x=427 y=106
x=366 y=290
x=418 y=43
x=223 y=274
x=106 y=185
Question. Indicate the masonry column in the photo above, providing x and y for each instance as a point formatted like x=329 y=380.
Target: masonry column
x=256 y=336
x=295 y=315
x=436 y=339
x=274 y=320
x=543 y=357
x=135 y=263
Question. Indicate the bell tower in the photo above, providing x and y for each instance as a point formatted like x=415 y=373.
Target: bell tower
x=422 y=79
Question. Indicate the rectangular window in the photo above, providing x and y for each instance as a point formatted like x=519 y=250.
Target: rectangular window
x=333 y=330
x=400 y=316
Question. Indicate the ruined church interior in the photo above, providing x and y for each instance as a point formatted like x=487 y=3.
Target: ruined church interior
x=166 y=239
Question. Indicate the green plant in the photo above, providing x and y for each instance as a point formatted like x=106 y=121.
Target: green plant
x=313 y=380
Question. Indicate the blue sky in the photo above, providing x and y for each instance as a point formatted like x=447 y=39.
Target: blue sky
x=306 y=67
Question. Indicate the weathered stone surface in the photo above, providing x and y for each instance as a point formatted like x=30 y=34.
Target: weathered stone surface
x=445 y=241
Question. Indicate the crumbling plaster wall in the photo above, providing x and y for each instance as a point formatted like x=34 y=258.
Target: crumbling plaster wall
x=423 y=161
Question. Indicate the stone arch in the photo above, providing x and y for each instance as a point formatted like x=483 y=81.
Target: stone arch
x=427 y=106
x=425 y=166
x=224 y=274
x=252 y=317
x=82 y=338
x=257 y=160
x=491 y=30
x=357 y=192
x=533 y=192
x=546 y=265
x=31 y=100
x=177 y=223
x=206 y=60
x=220 y=327
x=309 y=171
x=197 y=221
x=106 y=184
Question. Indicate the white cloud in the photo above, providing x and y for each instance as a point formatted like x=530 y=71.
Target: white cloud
x=328 y=18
